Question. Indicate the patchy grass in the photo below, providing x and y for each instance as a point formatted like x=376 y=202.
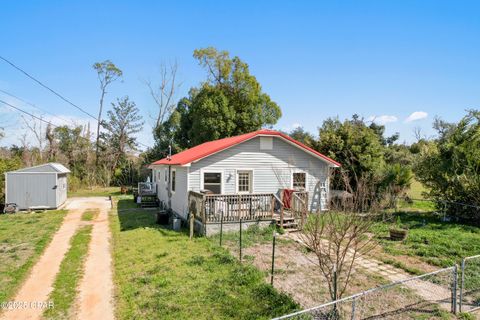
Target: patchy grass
x=431 y=240
x=23 y=237
x=95 y=192
x=90 y=214
x=417 y=206
x=252 y=235
x=161 y=273
x=416 y=190
x=67 y=279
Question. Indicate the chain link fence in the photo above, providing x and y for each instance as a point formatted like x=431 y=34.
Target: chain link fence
x=469 y=300
x=429 y=295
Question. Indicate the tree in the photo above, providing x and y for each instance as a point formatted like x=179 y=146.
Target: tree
x=107 y=73
x=164 y=93
x=356 y=146
x=230 y=102
x=75 y=146
x=304 y=137
x=450 y=166
x=124 y=122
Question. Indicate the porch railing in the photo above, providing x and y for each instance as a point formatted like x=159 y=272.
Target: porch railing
x=231 y=208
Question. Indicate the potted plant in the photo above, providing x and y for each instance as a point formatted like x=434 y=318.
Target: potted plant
x=398 y=232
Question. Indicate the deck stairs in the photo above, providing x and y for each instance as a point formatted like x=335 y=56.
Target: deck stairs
x=290 y=223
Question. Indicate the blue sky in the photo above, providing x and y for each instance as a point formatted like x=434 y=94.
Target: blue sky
x=316 y=59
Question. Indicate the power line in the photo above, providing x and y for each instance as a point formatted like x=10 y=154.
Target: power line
x=51 y=90
x=28 y=113
x=48 y=88
x=48 y=122
x=38 y=108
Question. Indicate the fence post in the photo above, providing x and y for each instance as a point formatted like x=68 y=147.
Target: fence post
x=272 y=204
x=192 y=224
x=353 y=308
x=462 y=283
x=240 y=240
x=454 y=289
x=273 y=255
x=221 y=228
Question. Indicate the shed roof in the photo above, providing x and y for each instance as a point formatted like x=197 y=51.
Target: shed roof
x=208 y=148
x=51 y=167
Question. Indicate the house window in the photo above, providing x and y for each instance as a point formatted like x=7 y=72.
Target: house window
x=166 y=174
x=212 y=181
x=158 y=175
x=173 y=180
x=299 y=180
x=244 y=181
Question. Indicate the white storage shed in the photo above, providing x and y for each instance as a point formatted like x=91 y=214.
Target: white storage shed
x=39 y=187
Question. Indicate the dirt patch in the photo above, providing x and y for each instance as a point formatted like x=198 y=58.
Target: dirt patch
x=95 y=297
x=38 y=285
x=296 y=273
x=96 y=288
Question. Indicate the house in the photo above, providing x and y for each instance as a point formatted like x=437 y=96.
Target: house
x=245 y=176
x=39 y=187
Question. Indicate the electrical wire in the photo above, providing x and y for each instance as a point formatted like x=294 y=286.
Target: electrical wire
x=48 y=88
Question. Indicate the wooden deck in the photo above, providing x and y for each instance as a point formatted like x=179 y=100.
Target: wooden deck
x=248 y=207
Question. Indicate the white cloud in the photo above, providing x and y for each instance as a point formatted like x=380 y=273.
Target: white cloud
x=383 y=119
x=296 y=125
x=417 y=115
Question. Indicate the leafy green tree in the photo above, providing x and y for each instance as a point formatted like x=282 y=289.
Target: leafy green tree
x=123 y=123
x=75 y=147
x=107 y=73
x=450 y=166
x=229 y=102
x=356 y=146
x=304 y=137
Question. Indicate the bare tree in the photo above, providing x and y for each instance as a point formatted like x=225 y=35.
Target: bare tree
x=417 y=132
x=164 y=93
x=36 y=128
x=338 y=237
x=107 y=73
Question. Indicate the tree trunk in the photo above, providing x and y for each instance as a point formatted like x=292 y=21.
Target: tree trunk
x=98 y=128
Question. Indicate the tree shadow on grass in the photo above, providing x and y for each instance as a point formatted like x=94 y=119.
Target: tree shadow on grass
x=132 y=217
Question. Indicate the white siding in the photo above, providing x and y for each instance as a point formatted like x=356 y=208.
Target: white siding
x=162 y=186
x=178 y=201
x=272 y=169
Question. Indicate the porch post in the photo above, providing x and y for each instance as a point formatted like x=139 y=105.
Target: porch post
x=272 y=204
x=281 y=209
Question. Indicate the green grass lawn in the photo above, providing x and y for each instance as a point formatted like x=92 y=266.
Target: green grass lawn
x=95 y=192
x=416 y=190
x=432 y=240
x=23 y=237
x=160 y=273
x=68 y=278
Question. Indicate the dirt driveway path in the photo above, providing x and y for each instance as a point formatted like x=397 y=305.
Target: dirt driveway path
x=38 y=286
x=96 y=288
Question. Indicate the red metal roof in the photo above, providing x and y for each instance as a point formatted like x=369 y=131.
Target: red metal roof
x=208 y=148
